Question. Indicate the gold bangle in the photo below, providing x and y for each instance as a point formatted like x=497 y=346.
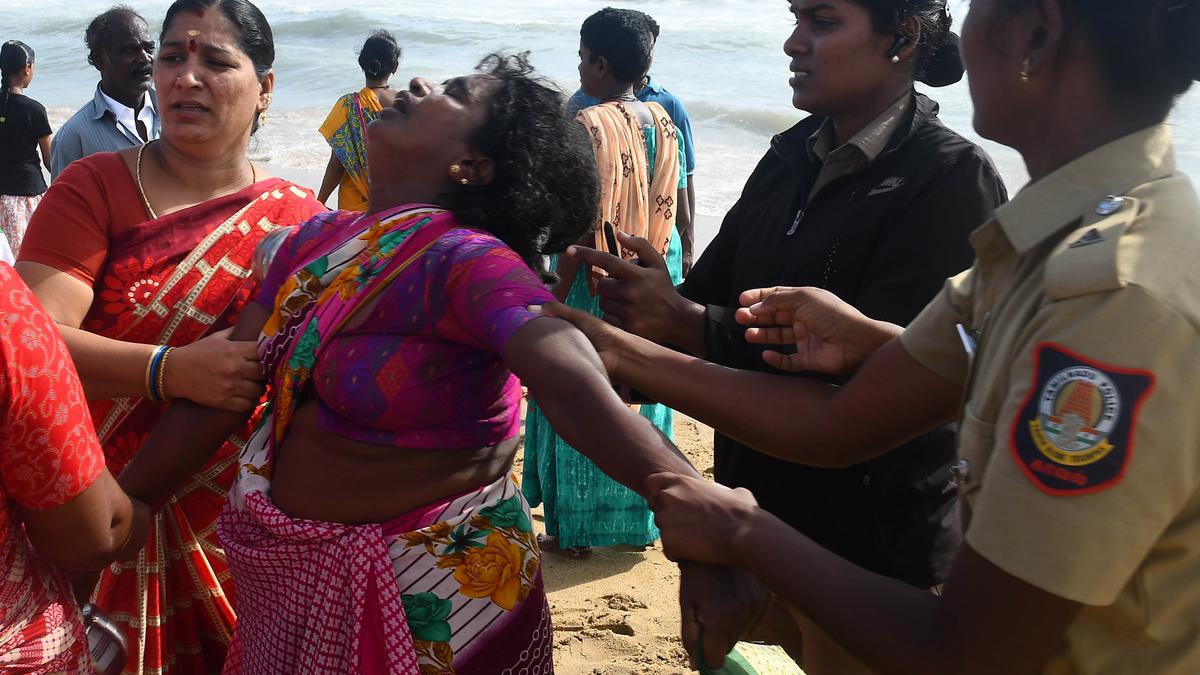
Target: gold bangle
x=150 y=374
x=162 y=374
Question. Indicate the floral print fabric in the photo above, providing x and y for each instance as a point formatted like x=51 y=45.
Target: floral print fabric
x=471 y=584
x=451 y=588
x=49 y=454
x=421 y=366
x=15 y=212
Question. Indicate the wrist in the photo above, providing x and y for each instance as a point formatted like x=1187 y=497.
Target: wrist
x=169 y=373
x=154 y=373
x=748 y=535
x=633 y=360
x=689 y=321
x=878 y=334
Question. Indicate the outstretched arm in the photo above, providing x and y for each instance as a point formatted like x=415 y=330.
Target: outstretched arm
x=565 y=376
x=890 y=400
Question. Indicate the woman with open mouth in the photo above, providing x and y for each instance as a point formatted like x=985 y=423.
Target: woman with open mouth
x=375 y=525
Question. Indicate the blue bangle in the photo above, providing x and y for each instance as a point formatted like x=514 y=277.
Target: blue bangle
x=155 y=363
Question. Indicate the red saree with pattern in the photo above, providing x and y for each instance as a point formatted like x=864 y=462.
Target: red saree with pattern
x=172 y=281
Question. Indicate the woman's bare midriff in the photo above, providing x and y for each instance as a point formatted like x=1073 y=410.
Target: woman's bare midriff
x=320 y=475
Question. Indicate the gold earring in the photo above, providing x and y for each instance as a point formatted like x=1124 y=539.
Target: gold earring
x=1025 y=66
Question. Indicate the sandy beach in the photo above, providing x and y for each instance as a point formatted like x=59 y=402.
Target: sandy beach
x=617 y=612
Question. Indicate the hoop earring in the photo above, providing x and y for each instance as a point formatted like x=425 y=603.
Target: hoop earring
x=1025 y=66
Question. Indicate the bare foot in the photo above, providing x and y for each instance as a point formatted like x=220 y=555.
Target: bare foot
x=550 y=544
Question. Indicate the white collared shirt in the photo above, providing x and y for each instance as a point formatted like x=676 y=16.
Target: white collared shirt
x=125 y=118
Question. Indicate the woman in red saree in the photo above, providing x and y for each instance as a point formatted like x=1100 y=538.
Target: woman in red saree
x=153 y=247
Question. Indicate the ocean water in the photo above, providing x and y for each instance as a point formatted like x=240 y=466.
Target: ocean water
x=723 y=58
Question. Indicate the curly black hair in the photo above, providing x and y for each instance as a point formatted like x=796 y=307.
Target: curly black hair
x=545 y=190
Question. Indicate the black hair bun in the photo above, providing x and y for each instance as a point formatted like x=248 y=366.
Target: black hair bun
x=1182 y=23
x=944 y=67
x=380 y=55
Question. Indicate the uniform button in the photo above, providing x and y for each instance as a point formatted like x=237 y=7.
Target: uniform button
x=1110 y=205
x=961 y=470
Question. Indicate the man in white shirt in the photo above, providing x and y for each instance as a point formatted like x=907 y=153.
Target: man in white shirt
x=124 y=110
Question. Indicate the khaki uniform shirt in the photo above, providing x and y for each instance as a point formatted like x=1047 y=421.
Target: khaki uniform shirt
x=862 y=149
x=1079 y=440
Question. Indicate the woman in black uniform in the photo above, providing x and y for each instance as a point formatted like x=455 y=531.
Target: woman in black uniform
x=872 y=198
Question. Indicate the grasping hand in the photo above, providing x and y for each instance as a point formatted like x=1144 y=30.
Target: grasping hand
x=699 y=520
x=216 y=372
x=608 y=341
x=830 y=335
x=637 y=296
x=718 y=606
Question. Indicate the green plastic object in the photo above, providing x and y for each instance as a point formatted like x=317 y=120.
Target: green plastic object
x=749 y=658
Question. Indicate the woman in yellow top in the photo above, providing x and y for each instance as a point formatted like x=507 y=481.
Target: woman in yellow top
x=345 y=127
x=1069 y=354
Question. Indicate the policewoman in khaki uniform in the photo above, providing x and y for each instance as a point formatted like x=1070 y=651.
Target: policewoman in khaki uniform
x=1069 y=354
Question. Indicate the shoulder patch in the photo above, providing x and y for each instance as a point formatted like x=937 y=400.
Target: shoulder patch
x=1074 y=434
x=1087 y=259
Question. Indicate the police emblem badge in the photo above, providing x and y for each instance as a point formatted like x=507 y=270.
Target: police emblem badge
x=1074 y=433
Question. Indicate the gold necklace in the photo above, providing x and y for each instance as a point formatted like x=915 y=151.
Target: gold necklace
x=137 y=174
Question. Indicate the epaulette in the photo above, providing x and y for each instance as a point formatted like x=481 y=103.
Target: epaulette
x=1086 y=261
